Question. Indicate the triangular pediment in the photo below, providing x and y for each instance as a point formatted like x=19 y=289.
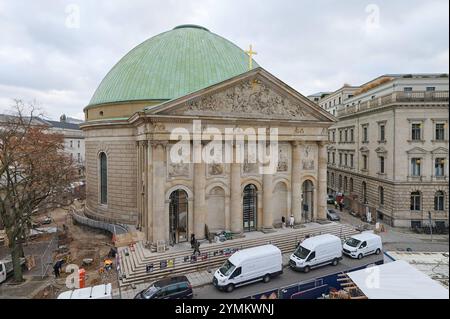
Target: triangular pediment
x=255 y=94
x=416 y=150
x=440 y=150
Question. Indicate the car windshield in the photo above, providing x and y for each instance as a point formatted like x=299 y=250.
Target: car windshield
x=352 y=242
x=150 y=292
x=227 y=268
x=301 y=252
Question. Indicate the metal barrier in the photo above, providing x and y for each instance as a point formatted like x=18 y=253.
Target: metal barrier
x=112 y=228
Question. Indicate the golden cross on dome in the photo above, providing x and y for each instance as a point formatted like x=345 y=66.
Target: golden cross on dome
x=250 y=53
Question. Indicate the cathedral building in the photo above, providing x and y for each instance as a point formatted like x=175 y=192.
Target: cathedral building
x=191 y=80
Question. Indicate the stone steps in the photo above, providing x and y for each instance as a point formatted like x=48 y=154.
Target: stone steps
x=133 y=267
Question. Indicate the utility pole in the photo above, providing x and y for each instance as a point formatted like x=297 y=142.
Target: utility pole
x=431 y=226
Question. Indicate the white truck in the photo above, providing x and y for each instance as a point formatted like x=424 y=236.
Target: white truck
x=96 y=292
x=249 y=265
x=315 y=252
x=6 y=268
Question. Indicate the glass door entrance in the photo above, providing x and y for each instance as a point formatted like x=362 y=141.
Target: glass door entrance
x=250 y=207
x=178 y=214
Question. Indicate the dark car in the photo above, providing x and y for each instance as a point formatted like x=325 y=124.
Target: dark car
x=332 y=215
x=170 y=288
x=330 y=199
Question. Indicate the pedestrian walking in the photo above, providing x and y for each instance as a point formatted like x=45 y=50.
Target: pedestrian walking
x=196 y=247
x=291 y=221
x=57 y=268
x=283 y=222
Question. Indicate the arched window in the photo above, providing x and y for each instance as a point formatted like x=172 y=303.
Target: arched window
x=332 y=180
x=415 y=200
x=340 y=183
x=381 y=195
x=351 y=185
x=249 y=207
x=439 y=200
x=103 y=178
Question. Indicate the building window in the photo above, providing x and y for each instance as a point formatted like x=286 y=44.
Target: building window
x=382 y=164
x=71 y=144
x=352 y=137
x=334 y=136
x=332 y=180
x=346 y=135
x=78 y=157
x=382 y=133
x=328 y=157
x=364 y=157
x=381 y=195
x=78 y=144
x=415 y=201
x=340 y=183
x=334 y=158
x=345 y=184
x=351 y=185
x=439 y=164
x=340 y=135
x=416 y=132
x=364 y=192
x=345 y=160
x=103 y=178
x=407 y=89
x=416 y=224
x=340 y=159
x=365 y=134
x=430 y=89
x=415 y=166
x=351 y=160
x=339 y=100
x=439 y=200
x=440 y=132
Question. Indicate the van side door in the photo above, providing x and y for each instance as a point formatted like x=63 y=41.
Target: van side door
x=363 y=248
x=311 y=260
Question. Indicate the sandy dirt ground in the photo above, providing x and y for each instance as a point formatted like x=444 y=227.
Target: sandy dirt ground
x=81 y=241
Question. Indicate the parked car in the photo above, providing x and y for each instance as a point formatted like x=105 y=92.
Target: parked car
x=6 y=268
x=332 y=215
x=315 y=252
x=363 y=244
x=330 y=199
x=177 y=287
x=249 y=265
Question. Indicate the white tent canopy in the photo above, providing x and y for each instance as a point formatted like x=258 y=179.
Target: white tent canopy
x=397 y=280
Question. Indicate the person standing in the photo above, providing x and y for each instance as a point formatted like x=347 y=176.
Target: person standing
x=283 y=222
x=291 y=221
x=193 y=240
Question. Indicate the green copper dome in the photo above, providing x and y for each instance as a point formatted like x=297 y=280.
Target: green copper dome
x=172 y=64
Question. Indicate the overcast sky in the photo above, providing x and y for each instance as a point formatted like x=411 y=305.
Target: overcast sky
x=57 y=52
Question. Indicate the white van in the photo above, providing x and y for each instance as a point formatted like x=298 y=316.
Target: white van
x=249 y=265
x=362 y=245
x=95 y=292
x=6 y=268
x=315 y=252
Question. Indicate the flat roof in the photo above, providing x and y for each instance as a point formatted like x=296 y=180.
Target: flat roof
x=397 y=280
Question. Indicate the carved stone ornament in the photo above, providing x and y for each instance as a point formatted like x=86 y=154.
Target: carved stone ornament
x=245 y=99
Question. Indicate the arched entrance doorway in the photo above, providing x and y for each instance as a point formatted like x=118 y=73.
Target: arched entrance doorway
x=178 y=217
x=249 y=207
x=308 y=201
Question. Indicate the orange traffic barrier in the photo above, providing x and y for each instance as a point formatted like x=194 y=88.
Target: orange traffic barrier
x=82 y=277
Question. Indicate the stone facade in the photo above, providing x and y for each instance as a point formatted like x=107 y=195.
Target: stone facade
x=372 y=143
x=143 y=182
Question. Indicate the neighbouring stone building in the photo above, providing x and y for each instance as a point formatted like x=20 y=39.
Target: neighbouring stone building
x=163 y=85
x=389 y=149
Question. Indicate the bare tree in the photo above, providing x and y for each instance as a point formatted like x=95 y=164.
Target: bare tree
x=34 y=171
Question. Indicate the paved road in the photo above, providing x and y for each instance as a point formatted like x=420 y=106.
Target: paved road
x=289 y=277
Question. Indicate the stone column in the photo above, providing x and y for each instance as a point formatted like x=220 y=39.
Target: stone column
x=159 y=175
x=236 y=196
x=267 y=201
x=199 y=199
x=322 y=182
x=296 y=187
x=139 y=183
x=149 y=191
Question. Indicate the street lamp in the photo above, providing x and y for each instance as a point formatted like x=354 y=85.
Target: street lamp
x=431 y=226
